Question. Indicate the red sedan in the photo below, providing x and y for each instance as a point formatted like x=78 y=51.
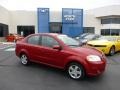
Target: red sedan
x=62 y=52
x=13 y=37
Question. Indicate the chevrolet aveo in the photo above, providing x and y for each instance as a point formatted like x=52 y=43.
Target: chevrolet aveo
x=63 y=52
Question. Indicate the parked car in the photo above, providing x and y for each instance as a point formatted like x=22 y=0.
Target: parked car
x=107 y=44
x=82 y=35
x=13 y=37
x=62 y=52
x=85 y=37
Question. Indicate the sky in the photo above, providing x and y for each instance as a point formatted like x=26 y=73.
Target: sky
x=55 y=4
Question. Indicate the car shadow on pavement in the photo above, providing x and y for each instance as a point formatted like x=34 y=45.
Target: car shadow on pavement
x=58 y=73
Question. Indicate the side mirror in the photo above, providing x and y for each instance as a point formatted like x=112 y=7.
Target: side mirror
x=57 y=47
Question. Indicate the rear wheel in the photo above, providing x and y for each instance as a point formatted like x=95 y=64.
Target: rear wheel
x=24 y=59
x=75 y=71
x=112 y=51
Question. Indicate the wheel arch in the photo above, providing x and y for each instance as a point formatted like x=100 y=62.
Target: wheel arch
x=75 y=61
x=113 y=46
x=23 y=52
x=110 y=49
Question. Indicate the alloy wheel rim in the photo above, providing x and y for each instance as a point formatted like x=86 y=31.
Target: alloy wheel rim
x=24 y=59
x=75 y=71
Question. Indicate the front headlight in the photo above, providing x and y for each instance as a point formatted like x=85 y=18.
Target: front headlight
x=93 y=58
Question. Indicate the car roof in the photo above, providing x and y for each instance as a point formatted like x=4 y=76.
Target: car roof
x=51 y=34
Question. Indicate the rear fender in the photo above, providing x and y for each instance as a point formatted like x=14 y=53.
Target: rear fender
x=25 y=52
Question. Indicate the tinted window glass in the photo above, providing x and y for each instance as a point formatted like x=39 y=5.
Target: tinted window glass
x=33 y=40
x=69 y=41
x=89 y=36
x=83 y=35
x=48 y=41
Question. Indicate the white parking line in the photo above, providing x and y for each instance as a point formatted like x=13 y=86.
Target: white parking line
x=10 y=49
x=11 y=43
x=4 y=47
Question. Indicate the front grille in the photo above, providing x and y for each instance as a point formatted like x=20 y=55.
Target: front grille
x=96 y=45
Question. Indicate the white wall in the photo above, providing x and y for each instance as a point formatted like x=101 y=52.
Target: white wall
x=91 y=21
x=110 y=26
x=55 y=16
x=105 y=11
x=4 y=15
x=22 y=18
x=92 y=18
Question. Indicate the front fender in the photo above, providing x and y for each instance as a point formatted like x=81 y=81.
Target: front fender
x=81 y=60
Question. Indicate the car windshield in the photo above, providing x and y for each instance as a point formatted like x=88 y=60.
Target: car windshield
x=69 y=41
x=89 y=36
x=107 y=38
x=83 y=35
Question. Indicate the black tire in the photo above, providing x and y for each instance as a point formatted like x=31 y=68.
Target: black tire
x=112 y=51
x=24 y=59
x=78 y=71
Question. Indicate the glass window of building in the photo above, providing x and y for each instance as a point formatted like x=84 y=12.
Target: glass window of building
x=110 y=31
x=3 y=30
x=105 y=31
x=55 y=27
x=115 y=31
x=110 y=21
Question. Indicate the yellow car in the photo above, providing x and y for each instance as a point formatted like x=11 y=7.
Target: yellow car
x=106 y=44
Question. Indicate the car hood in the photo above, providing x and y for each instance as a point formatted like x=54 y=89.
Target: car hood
x=87 y=51
x=99 y=42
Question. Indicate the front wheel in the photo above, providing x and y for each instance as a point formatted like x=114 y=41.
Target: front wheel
x=24 y=59
x=112 y=51
x=75 y=71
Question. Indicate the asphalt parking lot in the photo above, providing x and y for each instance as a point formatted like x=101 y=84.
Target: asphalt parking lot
x=15 y=76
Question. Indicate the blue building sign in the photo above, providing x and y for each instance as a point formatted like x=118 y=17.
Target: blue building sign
x=69 y=19
x=72 y=21
x=43 y=20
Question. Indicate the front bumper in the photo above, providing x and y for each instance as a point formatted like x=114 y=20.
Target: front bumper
x=95 y=68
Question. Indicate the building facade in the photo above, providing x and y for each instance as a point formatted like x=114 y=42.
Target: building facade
x=104 y=21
